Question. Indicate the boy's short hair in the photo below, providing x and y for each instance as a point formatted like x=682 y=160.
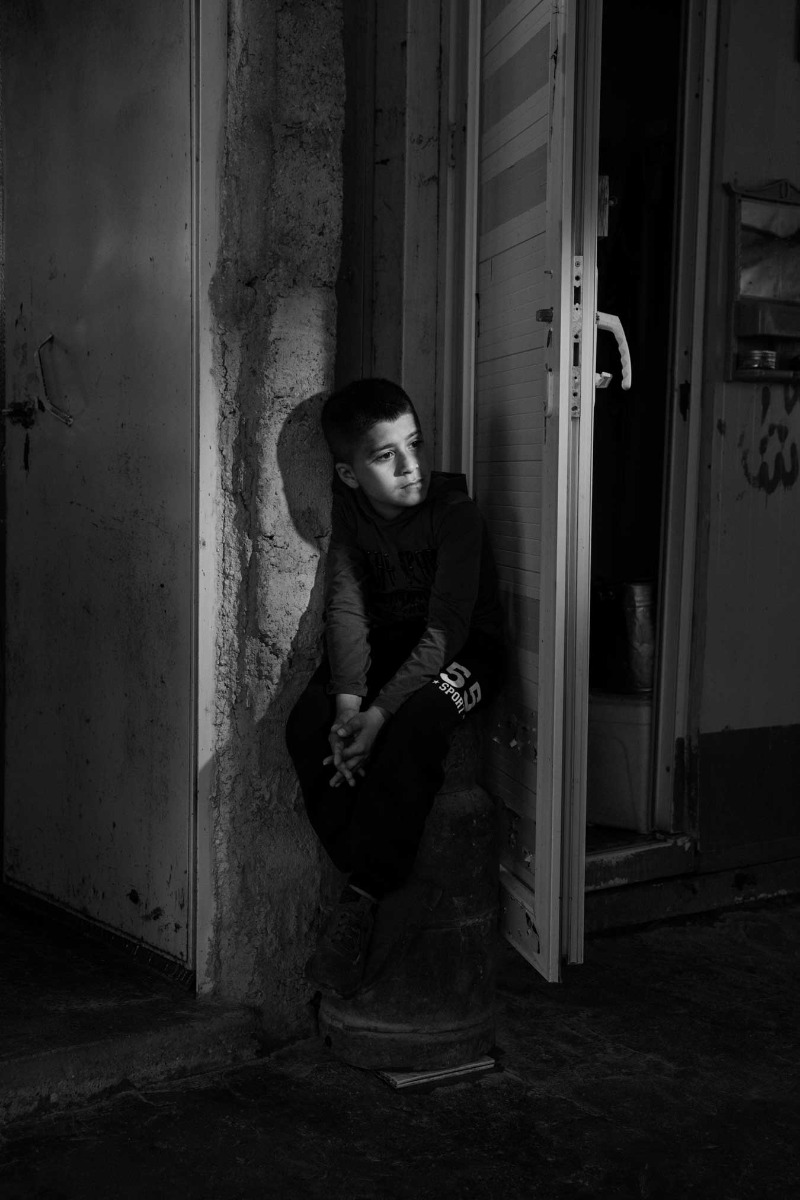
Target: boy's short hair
x=351 y=412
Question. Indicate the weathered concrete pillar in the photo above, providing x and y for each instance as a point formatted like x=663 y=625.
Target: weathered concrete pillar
x=275 y=313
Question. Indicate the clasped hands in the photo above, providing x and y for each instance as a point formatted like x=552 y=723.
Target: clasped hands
x=351 y=739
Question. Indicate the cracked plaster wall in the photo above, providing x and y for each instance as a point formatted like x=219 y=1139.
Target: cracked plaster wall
x=275 y=314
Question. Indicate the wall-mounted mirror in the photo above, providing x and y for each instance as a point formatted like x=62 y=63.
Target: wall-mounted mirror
x=765 y=279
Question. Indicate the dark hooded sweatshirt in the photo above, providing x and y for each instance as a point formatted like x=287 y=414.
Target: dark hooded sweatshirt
x=429 y=569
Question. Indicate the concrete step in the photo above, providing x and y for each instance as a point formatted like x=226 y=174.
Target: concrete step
x=80 y=1016
x=186 y=1040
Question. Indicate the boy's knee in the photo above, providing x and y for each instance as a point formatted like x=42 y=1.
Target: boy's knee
x=430 y=712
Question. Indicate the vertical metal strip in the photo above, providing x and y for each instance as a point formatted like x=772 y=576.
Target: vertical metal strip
x=4 y=404
x=366 y=258
x=448 y=386
x=471 y=240
x=195 y=32
x=550 y=766
x=576 y=719
x=2 y=228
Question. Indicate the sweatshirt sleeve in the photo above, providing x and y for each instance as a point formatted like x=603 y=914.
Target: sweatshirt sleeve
x=459 y=539
x=346 y=621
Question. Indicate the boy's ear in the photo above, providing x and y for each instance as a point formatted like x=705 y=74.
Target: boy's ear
x=346 y=474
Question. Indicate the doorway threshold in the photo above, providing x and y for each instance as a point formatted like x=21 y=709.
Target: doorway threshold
x=79 y=1017
x=617 y=857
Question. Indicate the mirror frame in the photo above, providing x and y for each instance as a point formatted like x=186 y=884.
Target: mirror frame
x=758 y=318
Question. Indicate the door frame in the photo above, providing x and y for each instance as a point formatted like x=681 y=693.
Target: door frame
x=588 y=58
x=208 y=99
x=682 y=474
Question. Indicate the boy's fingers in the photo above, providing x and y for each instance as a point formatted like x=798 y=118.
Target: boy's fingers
x=339 y=778
x=342 y=728
x=336 y=750
x=357 y=749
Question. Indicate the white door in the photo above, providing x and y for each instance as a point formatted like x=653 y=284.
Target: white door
x=99 y=454
x=533 y=394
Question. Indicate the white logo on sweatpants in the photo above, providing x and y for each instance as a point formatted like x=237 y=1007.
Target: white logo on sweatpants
x=453 y=682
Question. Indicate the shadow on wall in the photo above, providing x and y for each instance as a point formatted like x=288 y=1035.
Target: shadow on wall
x=306 y=471
x=304 y=462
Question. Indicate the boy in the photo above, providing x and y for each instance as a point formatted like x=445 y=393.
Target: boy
x=413 y=643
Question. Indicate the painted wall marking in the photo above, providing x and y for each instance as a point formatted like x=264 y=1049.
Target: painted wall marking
x=785 y=468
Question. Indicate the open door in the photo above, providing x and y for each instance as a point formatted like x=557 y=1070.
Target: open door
x=100 y=134
x=533 y=397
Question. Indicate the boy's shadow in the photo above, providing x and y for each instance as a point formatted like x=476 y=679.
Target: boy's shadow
x=306 y=470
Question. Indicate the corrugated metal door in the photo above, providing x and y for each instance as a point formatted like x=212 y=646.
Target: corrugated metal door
x=525 y=417
x=98 y=788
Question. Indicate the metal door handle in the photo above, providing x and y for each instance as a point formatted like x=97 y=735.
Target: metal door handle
x=613 y=325
x=61 y=413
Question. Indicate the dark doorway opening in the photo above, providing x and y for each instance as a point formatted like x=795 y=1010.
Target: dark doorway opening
x=640 y=103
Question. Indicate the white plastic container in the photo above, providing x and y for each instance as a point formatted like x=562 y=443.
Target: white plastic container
x=618 y=775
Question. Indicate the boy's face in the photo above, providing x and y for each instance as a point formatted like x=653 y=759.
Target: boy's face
x=389 y=466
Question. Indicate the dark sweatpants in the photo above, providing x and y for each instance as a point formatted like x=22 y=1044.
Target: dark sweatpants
x=372 y=830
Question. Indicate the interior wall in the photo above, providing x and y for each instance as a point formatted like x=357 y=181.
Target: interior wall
x=748 y=651
x=274 y=314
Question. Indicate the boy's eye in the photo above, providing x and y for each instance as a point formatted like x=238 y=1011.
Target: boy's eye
x=387 y=454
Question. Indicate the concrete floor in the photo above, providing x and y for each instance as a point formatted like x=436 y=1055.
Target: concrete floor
x=665 y=1066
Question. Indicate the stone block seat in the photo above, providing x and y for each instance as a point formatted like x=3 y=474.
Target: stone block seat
x=428 y=997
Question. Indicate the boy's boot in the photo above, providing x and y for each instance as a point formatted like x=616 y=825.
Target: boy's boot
x=338 y=962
